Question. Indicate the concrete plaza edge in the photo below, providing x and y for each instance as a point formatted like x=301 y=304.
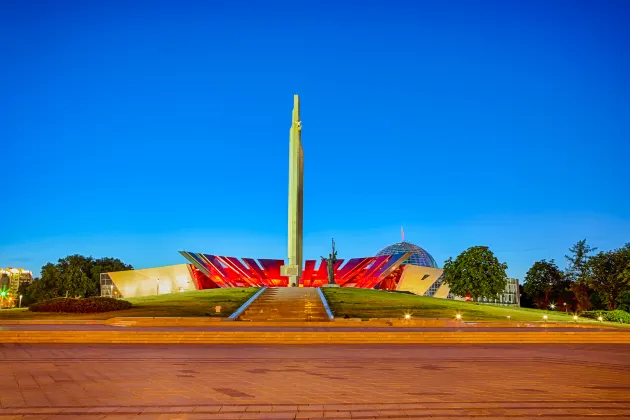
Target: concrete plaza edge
x=337 y=322
x=312 y=337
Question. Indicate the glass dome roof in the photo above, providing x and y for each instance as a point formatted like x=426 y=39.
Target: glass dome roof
x=419 y=256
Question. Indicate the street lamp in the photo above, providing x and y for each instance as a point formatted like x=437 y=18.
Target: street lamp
x=20 y=302
x=565 y=307
x=158 y=286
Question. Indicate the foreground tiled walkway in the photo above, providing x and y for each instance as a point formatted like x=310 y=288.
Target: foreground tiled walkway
x=245 y=382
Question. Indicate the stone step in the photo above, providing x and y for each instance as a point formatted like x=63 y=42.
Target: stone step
x=286 y=304
x=285 y=318
x=281 y=309
x=285 y=313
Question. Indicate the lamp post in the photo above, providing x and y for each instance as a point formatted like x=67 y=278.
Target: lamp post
x=565 y=307
x=158 y=286
x=20 y=305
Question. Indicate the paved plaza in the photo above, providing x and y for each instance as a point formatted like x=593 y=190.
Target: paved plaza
x=316 y=381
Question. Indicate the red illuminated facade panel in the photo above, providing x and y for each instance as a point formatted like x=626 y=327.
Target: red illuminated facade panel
x=212 y=271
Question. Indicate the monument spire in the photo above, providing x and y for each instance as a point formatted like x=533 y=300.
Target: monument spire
x=296 y=193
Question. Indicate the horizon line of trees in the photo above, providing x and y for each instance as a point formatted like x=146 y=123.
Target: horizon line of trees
x=589 y=281
x=71 y=276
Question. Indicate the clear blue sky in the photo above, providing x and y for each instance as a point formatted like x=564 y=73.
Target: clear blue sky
x=134 y=129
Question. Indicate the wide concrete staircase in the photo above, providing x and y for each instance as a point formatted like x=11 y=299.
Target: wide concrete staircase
x=286 y=304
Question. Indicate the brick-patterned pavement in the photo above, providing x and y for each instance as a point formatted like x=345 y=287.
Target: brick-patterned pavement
x=316 y=381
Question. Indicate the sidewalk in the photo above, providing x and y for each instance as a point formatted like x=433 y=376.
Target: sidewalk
x=340 y=382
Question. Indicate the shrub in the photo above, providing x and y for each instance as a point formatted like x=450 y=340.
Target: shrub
x=81 y=306
x=610 y=316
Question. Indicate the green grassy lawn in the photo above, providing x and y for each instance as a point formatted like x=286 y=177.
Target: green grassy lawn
x=186 y=304
x=366 y=303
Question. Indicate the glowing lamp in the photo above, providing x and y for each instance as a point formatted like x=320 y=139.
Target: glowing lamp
x=545 y=317
x=407 y=316
x=600 y=319
x=458 y=316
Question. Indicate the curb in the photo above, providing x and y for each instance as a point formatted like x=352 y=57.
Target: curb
x=336 y=322
x=54 y=321
x=245 y=337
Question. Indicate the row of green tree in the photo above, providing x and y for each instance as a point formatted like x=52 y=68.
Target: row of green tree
x=590 y=280
x=72 y=276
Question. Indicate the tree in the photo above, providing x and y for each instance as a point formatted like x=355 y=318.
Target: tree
x=610 y=274
x=24 y=291
x=578 y=272
x=624 y=301
x=525 y=300
x=47 y=286
x=74 y=275
x=543 y=279
x=477 y=273
x=106 y=265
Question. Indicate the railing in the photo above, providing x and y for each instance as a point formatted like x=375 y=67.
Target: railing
x=325 y=303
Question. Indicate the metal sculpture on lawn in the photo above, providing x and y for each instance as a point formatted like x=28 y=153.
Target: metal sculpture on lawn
x=331 y=260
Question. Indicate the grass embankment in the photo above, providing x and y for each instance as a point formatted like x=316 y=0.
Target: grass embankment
x=185 y=304
x=366 y=303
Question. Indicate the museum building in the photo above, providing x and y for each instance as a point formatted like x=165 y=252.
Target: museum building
x=402 y=266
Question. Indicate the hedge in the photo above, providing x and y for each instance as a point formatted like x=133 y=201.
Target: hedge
x=610 y=316
x=82 y=306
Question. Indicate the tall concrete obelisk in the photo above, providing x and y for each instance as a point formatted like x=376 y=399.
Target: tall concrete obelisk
x=296 y=195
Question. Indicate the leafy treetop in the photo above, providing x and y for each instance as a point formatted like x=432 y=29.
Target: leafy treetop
x=477 y=273
x=610 y=274
x=543 y=279
x=74 y=275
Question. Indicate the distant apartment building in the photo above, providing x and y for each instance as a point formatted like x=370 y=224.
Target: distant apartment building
x=10 y=281
x=510 y=295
